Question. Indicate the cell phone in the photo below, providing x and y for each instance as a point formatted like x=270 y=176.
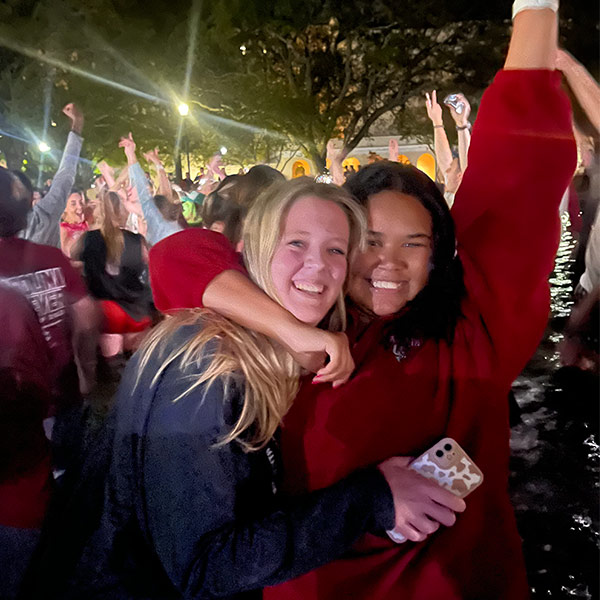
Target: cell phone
x=451 y=467
x=455 y=102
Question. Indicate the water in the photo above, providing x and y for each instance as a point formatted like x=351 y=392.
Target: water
x=555 y=459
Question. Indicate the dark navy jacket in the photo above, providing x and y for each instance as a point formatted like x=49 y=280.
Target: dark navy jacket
x=159 y=512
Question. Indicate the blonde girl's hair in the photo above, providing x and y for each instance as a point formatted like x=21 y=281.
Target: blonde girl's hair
x=108 y=216
x=269 y=372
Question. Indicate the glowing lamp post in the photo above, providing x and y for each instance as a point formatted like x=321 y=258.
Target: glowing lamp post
x=184 y=111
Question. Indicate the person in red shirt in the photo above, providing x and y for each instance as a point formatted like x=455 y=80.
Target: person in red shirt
x=435 y=351
x=25 y=460
x=25 y=361
x=48 y=322
x=66 y=314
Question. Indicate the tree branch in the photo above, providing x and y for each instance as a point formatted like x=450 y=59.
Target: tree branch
x=394 y=103
x=345 y=85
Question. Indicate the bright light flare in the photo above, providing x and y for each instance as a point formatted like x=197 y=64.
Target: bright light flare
x=184 y=109
x=36 y=55
x=43 y=147
x=223 y=150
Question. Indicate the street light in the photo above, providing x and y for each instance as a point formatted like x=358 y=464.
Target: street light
x=43 y=147
x=184 y=109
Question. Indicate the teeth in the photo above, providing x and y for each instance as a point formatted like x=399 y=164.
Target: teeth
x=386 y=285
x=309 y=287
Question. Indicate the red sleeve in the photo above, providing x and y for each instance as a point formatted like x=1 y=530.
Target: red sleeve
x=183 y=264
x=521 y=159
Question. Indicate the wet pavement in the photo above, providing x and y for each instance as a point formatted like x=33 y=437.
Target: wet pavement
x=555 y=461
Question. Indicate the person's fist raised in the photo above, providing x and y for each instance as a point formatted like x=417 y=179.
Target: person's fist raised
x=462 y=118
x=72 y=112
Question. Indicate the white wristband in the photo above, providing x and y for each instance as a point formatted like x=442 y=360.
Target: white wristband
x=519 y=5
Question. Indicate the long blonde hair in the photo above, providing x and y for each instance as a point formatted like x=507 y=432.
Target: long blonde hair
x=270 y=374
x=108 y=217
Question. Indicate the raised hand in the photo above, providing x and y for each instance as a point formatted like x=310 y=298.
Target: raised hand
x=152 y=157
x=420 y=504
x=462 y=118
x=583 y=85
x=128 y=145
x=434 y=110
x=335 y=158
x=76 y=116
x=332 y=153
x=130 y=200
x=108 y=173
x=393 y=150
x=215 y=166
x=104 y=167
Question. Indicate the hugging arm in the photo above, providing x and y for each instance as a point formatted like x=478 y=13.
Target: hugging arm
x=215 y=279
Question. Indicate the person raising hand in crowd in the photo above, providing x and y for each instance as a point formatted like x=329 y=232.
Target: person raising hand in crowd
x=443 y=153
x=161 y=215
x=43 y=221
x=460 y=109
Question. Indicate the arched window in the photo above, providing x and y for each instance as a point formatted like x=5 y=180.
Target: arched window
x=300 y=168
x=426 y=163
x=351 y=162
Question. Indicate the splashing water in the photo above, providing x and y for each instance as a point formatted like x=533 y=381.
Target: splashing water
x=555 y=458
x=561 y=288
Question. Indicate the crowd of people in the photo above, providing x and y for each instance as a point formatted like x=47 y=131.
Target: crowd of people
x=291 y=346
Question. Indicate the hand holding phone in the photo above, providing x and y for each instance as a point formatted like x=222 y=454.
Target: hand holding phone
x=452 y=469
x=455 y=101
